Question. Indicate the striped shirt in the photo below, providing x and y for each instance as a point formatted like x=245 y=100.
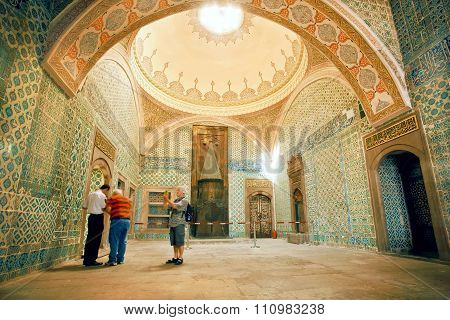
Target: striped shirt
x=120 y=206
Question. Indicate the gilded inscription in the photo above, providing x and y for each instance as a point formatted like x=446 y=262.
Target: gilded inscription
x=395 y=131
x=104 y=145
x=258 y=183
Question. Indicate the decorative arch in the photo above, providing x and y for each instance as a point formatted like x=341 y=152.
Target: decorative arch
x=112 y=81
x=104 y=167
x=119 y=55
x=106 y=22
x=322 y=72
x=264 y=193
x=412 y=145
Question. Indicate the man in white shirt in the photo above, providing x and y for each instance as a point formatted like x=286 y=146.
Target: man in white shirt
x=94 y=204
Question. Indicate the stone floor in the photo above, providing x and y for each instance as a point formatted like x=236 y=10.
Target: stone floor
x=277 y=270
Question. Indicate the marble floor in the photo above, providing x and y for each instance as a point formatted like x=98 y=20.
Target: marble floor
x=234 y=270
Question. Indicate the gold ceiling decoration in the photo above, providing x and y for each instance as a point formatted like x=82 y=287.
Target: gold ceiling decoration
x=224 y=39
x=156 y=115
x=243 y=77
x=316 y=57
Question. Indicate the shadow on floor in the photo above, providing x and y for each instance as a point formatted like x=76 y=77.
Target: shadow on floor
x=161 y=267
x=79 y=267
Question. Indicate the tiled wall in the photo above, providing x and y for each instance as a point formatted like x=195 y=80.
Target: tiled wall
x=432 y=100
x=45 y=145
x=423 y=30
x=337 y=194
x=22 y=35
x=115 y=113
x=244 y=162
x=309 y=107
x=113 y=84
x=46 y=138
x=378 y=16
x=27 y=221
x=397 y=220
x=420 y=24
x=169 y=162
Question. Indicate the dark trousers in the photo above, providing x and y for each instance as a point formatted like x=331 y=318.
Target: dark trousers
x=94 y=237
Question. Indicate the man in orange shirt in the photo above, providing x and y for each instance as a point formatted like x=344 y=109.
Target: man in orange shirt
x=119 y=209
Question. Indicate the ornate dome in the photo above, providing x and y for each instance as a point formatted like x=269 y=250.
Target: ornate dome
x=183 y=65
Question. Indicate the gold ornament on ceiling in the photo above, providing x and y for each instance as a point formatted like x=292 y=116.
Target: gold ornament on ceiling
x=156 y=115
x=224 y=39
x=239 y=77
x=175 y=88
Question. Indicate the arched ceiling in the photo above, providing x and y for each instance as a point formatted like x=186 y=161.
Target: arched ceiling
x=376 y=79
x=109 y=80
x=183 y=65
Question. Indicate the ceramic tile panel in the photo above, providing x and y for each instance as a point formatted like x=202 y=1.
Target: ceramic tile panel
x=423 y=30
x=419 y=24
x=114 y=85
x=168 y=163
x=337 y=194
x=378 y=16
x=45 y=147
x=397 y=220
x=433 y=102
x=244 y=162
x=312 y=108
x=23 y=32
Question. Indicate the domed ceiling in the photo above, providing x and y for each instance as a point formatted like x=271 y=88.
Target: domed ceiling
x=184 y=66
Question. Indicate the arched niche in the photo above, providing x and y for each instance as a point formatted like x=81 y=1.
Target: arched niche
x=412 y=142
x=261 y=187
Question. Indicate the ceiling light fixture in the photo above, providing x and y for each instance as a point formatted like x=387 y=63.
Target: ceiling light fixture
x=221 y=19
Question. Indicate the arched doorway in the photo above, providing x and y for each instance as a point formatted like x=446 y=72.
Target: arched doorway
x=297 y=190
x=100 y=174
x=407 y=212
x=97 y=180
x=260 y=216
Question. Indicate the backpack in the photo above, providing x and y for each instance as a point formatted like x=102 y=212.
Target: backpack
x=189 y=213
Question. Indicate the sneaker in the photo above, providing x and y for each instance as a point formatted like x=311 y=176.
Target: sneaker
x=120 y=262
x=173 y=260
x=111 y=264
x=178 y=262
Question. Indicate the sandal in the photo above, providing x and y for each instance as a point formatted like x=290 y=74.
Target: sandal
x=173 y=260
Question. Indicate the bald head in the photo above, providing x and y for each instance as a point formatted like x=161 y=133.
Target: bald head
x=118 y=191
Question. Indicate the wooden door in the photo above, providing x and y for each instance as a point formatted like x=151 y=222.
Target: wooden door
x=260 y=216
